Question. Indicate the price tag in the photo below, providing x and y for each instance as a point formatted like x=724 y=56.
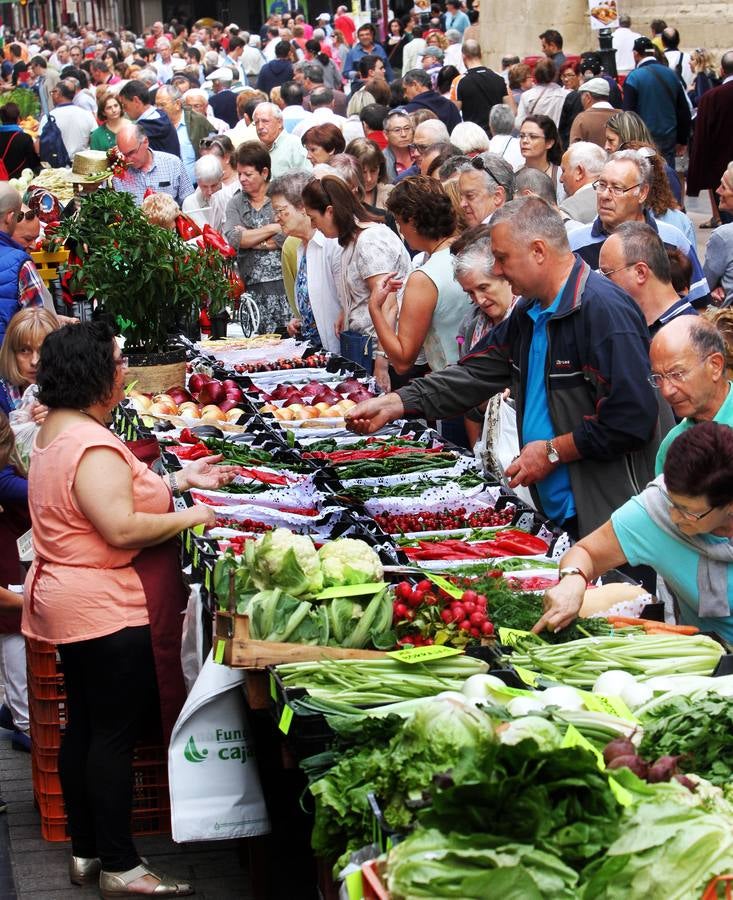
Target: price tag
x=514 y=692
x=613 y=706
x=446 y=586
x=530 y=678
x=354 y=885
x=573 y=738
x=219 y=653
x=424 y=654
x=273 y=687
x=510 y=637
x=351 y=590
x=25 y=546
x=285 y=719
x=199 y=529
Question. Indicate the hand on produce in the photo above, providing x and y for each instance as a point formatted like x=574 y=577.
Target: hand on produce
x=205 y=473
x=562 y=604
x=202 y=515
x=530 y=466
x=39 y=413
x=293 y=327
x=371 y=415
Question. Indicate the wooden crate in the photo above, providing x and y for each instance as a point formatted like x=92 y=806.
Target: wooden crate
x=241 y=652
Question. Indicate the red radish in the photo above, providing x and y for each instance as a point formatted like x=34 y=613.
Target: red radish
x=212 y=392
x=618 y=747
x=632 y=761
x=197 y=381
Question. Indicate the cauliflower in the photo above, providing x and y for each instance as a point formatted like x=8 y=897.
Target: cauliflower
x=348 y=561
x=288 y=561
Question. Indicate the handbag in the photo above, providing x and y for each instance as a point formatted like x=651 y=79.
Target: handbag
x=359 y=348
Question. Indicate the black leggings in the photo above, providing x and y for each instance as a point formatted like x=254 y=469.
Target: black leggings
x=112 y=694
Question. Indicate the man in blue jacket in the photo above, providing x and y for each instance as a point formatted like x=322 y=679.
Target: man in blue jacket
x=656 y=93
x=20 y=283
x=575 y=353
x=420 y=95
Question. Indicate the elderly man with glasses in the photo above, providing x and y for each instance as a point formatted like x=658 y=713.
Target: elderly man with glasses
x=400 y=134
x=688 y=370
x=163 y=172
x=485 y=183
x=622 y=190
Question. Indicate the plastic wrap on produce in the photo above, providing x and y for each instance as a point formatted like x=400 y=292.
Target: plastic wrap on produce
x=296 y=496
x=438 y=499
x=270 y=352
x=463 y=464
x=277 y=518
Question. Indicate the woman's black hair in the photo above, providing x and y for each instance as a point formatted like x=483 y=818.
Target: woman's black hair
x=333 y=191
x=549 y=129
x=699 y=463
x=77 y=367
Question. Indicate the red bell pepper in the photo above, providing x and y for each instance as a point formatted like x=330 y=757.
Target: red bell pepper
x=192 y=451
x=186 y=227
x=212 y=238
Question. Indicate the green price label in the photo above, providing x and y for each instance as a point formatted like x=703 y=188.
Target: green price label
x=354 y=885
x=424 y=654
x=530 y=678
x=514 y=692
x=199 y=529
x=511 y=637
x=219 y=652
x=445 y=585
x=273 y=687
x=573 y=738
x=613 y=706
x=285 y=719
x=351 y=590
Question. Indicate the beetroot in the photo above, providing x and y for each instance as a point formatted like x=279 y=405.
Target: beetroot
x=663 y=769
x=686 y=782
x=618 y=747
x=630 y=761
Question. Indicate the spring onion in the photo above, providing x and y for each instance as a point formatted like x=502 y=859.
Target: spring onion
x=579 y=663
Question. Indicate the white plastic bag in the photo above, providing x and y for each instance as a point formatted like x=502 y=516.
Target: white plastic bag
x=499 y=443
x=192 y=640
x=23 y=425
x=214 y=783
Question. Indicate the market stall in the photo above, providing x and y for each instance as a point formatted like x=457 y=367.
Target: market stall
x=377 y=596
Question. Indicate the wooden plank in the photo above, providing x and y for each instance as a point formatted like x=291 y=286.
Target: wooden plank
x=241 y=652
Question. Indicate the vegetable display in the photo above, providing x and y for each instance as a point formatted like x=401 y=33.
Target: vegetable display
x=444 y=521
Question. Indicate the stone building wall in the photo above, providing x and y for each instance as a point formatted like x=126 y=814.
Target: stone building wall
x=512 y=26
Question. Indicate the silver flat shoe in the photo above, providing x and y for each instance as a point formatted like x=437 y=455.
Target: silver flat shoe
x=116 y=884
x=83 y=870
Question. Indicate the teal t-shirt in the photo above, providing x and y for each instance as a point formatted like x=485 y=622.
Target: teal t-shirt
x=644 y=543
x=724 y=416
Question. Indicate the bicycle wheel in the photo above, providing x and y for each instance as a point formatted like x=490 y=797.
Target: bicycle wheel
x=249 y=315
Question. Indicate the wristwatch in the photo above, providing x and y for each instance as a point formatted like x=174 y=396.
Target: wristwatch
x=175 y=490
x=552 y=455
x=572 y=570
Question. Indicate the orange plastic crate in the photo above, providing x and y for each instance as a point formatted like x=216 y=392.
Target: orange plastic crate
x=42 y=658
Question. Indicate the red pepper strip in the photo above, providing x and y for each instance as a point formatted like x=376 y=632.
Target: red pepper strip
x=192 y=451
x=347 y=456
x=520 y=543
x=265 y=477
x=188 y=437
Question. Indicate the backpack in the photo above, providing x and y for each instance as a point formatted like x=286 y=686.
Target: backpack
x=52 y=148
x=4 y=176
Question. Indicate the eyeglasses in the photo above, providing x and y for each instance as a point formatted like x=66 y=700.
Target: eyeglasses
x=29 y=216
x=656 y=379
x=693 y=517
x=526 y=136
x=421 y=148
x=400 y=129
x=278 y=211
x=601 y=187
x=131 y=152
x=608 y=274
x=123 y=362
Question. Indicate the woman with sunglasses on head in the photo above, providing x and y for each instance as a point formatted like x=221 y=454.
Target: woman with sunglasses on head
x=105 y=587
x=540 y=145
x=223 y=149
x=681 y=525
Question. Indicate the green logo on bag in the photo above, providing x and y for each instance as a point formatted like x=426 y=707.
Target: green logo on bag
x=192 y=752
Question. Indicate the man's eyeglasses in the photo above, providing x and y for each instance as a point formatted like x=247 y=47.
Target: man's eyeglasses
x=656 y=379
x=421 y=148
x=617 y=190
x=131 y=152
x=400 y=129
x=693 y=517
x=608 y=274
x=28 y=215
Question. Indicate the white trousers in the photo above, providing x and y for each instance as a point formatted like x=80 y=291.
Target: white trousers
x=13 y=676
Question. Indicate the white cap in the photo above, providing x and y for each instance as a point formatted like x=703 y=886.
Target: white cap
x=598 y=86
x=222 y=74
x=325 y=17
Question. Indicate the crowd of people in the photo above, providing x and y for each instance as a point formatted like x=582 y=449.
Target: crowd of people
x=460 y=232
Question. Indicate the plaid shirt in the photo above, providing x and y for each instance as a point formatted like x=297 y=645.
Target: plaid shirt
x=168 y=176
x=30 y=286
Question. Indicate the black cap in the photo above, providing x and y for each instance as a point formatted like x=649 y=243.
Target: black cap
x=643 y=46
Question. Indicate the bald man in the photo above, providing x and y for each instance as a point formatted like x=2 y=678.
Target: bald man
x=688 y=360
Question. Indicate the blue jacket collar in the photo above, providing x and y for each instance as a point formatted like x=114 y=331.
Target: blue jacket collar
x=597 y=229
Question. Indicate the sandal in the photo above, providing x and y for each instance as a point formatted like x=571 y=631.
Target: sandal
x=711 y=223
x=84 y=870
x=115 y=884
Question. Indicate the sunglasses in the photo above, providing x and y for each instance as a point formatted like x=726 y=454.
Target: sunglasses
x=481 y=165
x=28 y=215
x=208 y=143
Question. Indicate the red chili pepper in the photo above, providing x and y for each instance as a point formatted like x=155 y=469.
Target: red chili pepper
x=192 y=451
x=188 y=437
x=186 y=227
x=265 y=477
x=212 y=238
x=519 y=543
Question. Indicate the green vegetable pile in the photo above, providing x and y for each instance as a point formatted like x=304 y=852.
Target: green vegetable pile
x=411 y=488
x=697 y=728
x=397 y=465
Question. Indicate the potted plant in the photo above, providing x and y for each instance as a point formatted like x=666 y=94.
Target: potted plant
x=146 y=278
